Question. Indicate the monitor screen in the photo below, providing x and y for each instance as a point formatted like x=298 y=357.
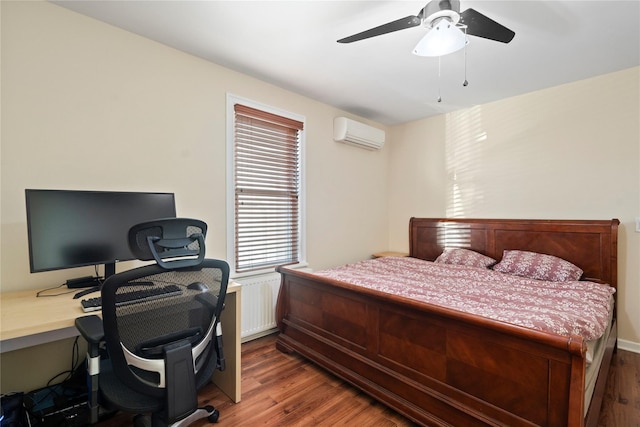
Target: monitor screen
x=68 y=228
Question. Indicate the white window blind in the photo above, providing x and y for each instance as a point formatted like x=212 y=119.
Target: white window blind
x=267 y=187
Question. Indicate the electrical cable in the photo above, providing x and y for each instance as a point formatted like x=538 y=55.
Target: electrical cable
x=42 y=294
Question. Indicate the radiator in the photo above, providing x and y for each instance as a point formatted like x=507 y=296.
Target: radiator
x=259 y=294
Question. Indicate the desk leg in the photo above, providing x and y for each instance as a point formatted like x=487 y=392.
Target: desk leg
x=229 y=380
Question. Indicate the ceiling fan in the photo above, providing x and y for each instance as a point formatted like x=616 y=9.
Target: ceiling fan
x=442 y=15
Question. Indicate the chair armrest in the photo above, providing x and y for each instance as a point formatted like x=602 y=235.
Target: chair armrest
x=90 y=327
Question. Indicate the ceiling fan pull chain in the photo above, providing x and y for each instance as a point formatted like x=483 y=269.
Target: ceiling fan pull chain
x=439 y=97
x=465 y=82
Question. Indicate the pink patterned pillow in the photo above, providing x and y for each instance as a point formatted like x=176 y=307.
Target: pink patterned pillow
x=460 y=256
x=537 y=266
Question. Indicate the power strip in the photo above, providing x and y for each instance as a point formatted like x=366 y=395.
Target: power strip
x=83 y=282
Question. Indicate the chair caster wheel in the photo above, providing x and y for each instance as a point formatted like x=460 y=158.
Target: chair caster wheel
x=140 y=420
x=213 y=418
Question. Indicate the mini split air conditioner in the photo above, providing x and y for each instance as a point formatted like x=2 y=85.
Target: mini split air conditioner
x=358 y=134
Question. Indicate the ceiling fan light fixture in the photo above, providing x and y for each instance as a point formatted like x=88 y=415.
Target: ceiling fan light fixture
x=445 y=37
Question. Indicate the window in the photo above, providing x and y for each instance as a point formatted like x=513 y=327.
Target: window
x=266 y=181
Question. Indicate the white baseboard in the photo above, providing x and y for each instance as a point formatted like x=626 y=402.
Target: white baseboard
x=258 y=335
x=629 y=346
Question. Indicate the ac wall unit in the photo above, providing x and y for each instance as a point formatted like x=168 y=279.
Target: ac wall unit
x=358 y=134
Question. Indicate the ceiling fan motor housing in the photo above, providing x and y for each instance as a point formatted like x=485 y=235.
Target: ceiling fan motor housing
x=436 y=10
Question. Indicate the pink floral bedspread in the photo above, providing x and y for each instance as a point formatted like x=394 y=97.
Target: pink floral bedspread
x=562 y=308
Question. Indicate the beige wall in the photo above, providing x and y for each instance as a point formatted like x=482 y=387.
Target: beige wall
x=569 y=152
x=88 y=106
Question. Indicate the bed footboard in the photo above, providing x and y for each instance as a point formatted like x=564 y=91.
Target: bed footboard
x=436 y=367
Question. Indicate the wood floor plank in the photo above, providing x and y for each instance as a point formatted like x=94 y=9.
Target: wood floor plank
x=621 y=405
x=282 y=390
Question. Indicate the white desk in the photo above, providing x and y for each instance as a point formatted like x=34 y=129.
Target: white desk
x=26 y=320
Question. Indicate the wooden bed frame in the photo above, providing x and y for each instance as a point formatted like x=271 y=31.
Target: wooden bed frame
x=442 y=367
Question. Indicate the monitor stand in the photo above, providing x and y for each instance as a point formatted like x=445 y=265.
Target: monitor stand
x=109 y=270
x=86 y=292
x=93 y=283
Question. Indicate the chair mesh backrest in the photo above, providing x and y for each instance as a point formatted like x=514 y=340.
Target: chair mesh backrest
x=189 y=314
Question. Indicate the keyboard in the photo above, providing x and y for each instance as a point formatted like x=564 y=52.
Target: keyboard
x=133 y=297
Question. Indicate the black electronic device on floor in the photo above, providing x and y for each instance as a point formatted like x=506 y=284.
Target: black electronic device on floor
x=57 y=405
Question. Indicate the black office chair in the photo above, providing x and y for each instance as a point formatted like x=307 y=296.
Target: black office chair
x=162 y=349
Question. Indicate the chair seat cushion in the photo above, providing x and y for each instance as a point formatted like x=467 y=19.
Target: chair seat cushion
x=118 y=395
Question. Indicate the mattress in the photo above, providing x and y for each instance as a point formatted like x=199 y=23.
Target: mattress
x=562 y=308
x=595 y=354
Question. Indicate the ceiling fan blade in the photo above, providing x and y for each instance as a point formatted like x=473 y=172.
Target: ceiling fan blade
x=400 y=24
x=481 y=26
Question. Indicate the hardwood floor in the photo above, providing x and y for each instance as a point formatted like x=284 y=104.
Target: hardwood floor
x=621 y=406
x=284 y=390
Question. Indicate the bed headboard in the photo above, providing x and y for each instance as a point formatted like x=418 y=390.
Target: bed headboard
x=591 y=245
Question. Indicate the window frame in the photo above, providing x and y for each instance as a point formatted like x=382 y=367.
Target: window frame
x=232 y=100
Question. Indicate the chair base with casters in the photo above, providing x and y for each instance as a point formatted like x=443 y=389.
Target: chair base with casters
x=150 y=357
x=208 y=412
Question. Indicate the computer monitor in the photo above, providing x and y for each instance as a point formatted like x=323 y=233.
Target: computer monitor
x=70 y=228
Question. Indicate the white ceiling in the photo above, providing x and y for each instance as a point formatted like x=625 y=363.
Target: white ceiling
x=292 y=44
